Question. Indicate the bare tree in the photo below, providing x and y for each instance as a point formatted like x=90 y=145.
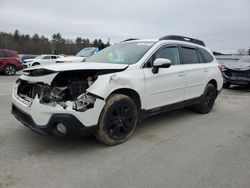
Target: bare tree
x=241 y=51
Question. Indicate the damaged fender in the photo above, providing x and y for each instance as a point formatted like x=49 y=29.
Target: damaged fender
x=107 y=84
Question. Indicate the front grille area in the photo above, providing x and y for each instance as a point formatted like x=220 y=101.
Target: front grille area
x=21 y=116
x=242 y=74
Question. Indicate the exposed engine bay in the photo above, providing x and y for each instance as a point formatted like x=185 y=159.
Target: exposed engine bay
x=68 y=86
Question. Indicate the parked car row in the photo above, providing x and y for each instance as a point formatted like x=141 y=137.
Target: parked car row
x=10 y=61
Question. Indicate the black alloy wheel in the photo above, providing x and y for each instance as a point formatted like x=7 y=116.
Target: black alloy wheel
x=118 y=120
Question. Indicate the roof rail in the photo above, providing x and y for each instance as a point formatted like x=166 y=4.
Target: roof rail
x=182 y=38
x=129 y=39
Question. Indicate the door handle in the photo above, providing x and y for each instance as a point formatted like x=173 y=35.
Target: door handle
x=205 y=70
x=182 y=73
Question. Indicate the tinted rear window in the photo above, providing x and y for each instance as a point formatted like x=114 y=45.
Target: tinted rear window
x=206 y=56
x=189 y=55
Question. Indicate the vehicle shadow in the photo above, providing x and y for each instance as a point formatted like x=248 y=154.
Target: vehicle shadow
x=240 y=88
x=37 y=144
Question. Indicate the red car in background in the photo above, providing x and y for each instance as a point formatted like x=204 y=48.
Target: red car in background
x=9 y=62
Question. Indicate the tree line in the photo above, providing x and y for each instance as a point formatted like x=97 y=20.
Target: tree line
x=26 y=44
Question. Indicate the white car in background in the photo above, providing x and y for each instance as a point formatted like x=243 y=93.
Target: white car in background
x=41 y=60
x=80 y=56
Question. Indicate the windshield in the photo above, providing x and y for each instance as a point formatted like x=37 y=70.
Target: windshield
x=39 y=57
x=245 y=59
x=86 y=52
x=122 y=53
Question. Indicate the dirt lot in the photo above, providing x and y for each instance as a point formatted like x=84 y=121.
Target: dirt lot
x=176 y=149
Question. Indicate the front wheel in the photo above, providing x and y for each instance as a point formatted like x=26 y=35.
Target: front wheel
x=35 y=64
x=9 y=70
x=117 y=121
x=207 y=102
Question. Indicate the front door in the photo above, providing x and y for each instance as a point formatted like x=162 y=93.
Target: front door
x=168 y=85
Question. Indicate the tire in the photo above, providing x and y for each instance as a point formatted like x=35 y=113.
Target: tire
x=117 y=121
x=34 y=64
x=226 y=85
x=208 y=99
x=9 y=70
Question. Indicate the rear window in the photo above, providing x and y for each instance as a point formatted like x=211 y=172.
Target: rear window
x=206 y=56
x=189 y=55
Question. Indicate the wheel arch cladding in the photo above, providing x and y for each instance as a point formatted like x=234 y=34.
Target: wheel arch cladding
x=214 y=83
x=130 y=93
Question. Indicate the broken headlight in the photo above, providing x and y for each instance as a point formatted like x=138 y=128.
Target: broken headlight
x=83 y=102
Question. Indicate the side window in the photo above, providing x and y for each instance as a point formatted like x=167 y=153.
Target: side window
x=53 y=57
x=171 y=53
x=189 y=55
x=46 y=57
x=9 y=54
x=2 y=54
x=206 y=56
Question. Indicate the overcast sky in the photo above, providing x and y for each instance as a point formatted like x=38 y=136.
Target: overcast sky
x=224 y=25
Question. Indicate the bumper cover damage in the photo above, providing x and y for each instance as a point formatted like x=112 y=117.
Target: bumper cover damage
x=238 y=77
x=73 y=126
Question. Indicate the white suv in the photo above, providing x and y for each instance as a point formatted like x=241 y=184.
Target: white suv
x=117 y=87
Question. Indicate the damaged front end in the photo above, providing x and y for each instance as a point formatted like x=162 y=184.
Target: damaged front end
x=68 y=89
x=237 y=77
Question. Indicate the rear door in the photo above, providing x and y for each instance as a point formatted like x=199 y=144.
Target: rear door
x=196 y=71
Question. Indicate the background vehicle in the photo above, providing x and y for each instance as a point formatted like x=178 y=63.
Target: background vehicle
x=26 y=56
x=80 y=56
x=41 y=60
x=114 y=89
x=237 y=73
x=9 y=62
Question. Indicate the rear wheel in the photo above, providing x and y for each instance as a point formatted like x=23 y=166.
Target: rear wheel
x=9 y=70
x=207 y=102
x=117 y=121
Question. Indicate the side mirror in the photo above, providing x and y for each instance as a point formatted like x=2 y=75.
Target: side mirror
x=160 y=63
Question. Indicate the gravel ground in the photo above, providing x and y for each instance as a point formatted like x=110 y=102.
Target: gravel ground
x=176 y=149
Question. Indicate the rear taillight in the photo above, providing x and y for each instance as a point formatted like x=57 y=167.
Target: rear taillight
x=221 y=68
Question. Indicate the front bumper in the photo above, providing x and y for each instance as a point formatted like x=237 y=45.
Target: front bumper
x=73 y=126
x=237 y=80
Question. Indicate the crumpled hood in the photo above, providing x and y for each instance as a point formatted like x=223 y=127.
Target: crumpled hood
x=242 y=66
x=59 y=67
